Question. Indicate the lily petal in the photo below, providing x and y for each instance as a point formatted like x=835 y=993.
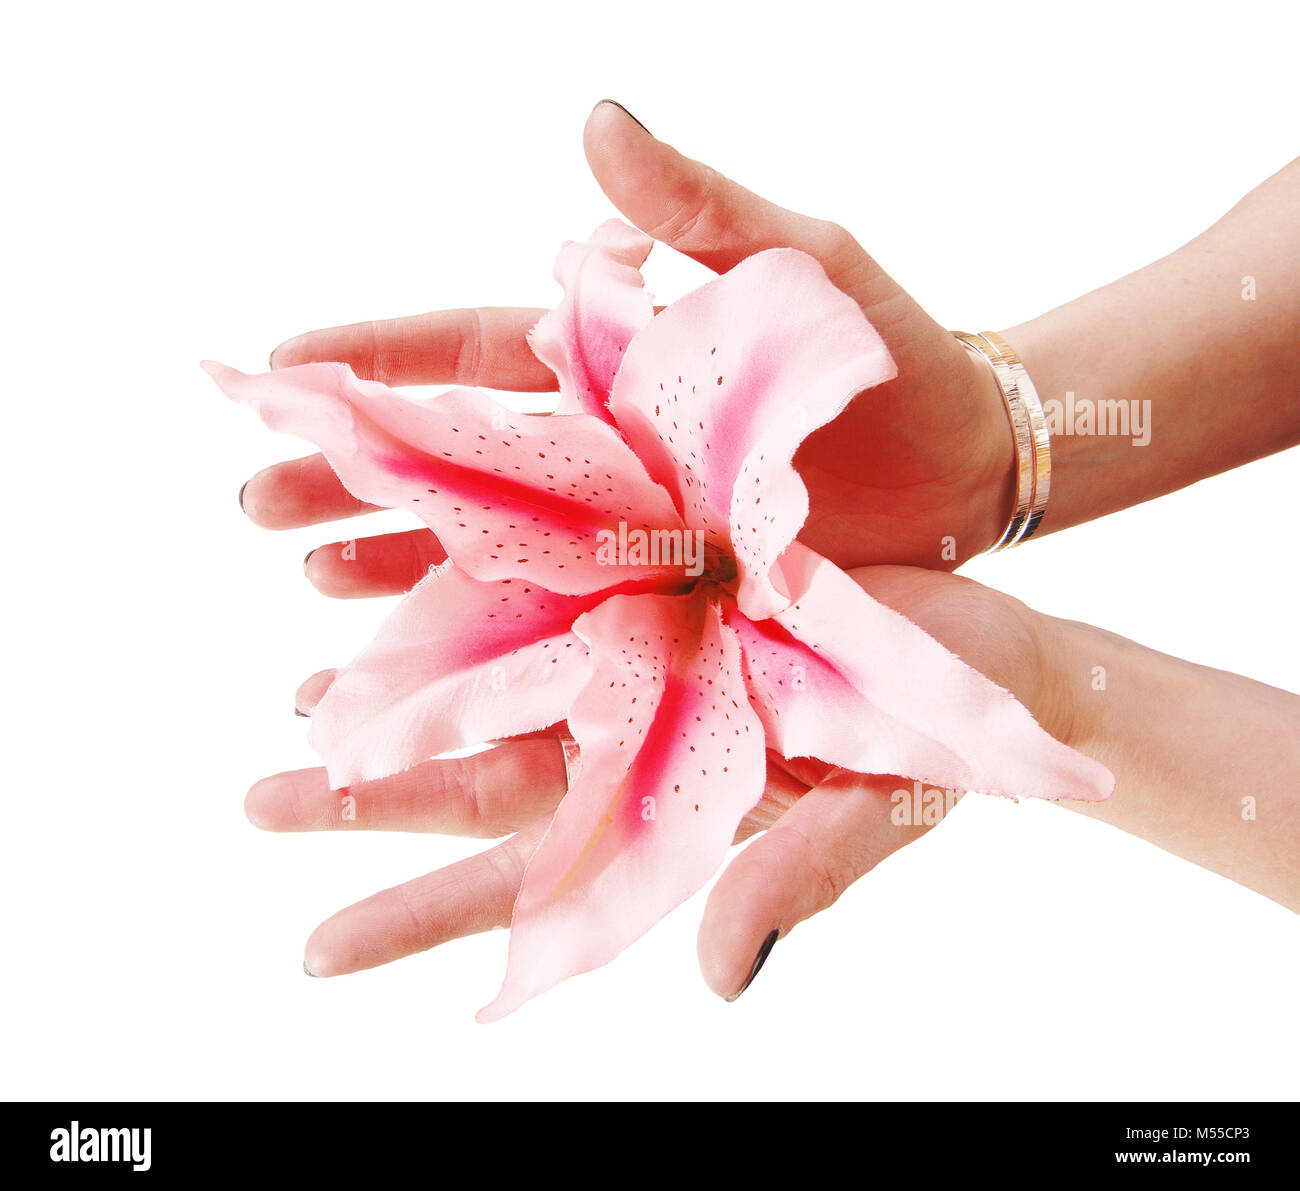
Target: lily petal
x=508 y=494
x=840 y=677
x=457 y=663
x=605 y=303
x=672 y=759
x=718 y=391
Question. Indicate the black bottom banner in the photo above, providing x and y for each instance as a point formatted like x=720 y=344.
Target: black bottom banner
x=1204 y=1144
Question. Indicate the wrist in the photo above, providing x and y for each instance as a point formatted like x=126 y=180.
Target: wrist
x=1096 y=695
x=1092 y=468
x=994 y=495
x=1065 y=663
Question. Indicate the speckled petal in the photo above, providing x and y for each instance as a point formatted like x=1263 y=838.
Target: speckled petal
x=672 y=759
x=605 y=303
x=716 y=394
x=840 y=677
x=457 y=663
x=509 y=495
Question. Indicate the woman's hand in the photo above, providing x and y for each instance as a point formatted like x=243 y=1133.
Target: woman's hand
x=1207 y=766
x=918 y=471
x=823 y=829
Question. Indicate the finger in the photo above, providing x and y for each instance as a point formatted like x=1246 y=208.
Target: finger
x=465 y=898
x=298 y=492
x=389 y=564
x=484 y=347
x=697 y=211
x=312 y=691
x=832 y=836
x=782 y=791
x=489 y=794
x=462 y=899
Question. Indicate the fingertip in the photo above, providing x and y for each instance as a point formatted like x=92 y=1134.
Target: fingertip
x=263 y=498
x=764 y=950
x=738 y=918
x=718 y=965
x=298 y=800
x=317 y=957
x=732 y=954
x=610 y=135
x=313 y=577
x=287 y=353
x=331 y=570
x=618 y=107
x=298 y=492
x=260 y=803
x=354 y=939
x=312 y=691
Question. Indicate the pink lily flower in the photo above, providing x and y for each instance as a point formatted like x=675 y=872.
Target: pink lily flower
x=630 y=565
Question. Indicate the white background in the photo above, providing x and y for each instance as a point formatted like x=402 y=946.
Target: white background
x=187 y=182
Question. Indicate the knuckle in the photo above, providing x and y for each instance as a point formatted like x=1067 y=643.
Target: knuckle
x=463 y=789
x=507 y=864
x=828 y=876
x=419 y=559
x=376 y=364
x=833 y=880
x=387 y=352
x=415 y=911
x=834 y=243
x=689 y=218
x=467 y=348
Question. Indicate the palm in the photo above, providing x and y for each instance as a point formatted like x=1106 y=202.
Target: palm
x=904 y=475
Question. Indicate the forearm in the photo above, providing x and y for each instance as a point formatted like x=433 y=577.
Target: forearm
x=1202 y=348
x=1207 y=763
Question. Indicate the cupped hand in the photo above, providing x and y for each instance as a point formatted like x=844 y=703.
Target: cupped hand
x=822 y=829
x=917 y=471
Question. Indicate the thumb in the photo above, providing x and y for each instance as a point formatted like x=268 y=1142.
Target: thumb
x=833 y=835
x=696 y=211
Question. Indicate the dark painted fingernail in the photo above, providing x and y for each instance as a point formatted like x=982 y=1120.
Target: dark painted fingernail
x=241 y=493
x=625 y=112
x=759 y=960
x=309 y=972
x=299 y=711
x=307 y=559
